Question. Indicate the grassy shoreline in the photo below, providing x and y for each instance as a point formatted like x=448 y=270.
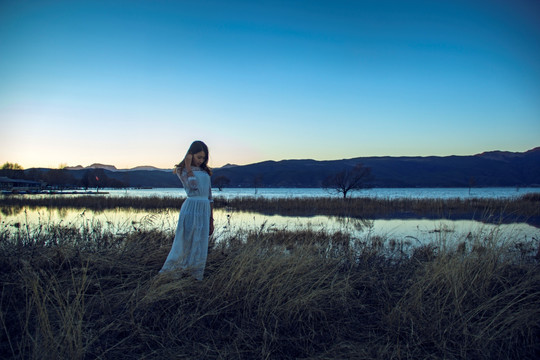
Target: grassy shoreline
x=522 y=209
x=86 y=293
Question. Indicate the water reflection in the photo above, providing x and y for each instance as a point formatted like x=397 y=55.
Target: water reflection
x=415 y=230
x=419 y=231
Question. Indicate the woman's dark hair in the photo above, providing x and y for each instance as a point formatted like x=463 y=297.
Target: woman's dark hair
x=196 y=147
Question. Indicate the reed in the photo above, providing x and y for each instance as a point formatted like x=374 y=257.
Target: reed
x=91 y=292
x=496 y=210
x=93 y=202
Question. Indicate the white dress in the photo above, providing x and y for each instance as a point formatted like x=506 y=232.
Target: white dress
x=190 y=247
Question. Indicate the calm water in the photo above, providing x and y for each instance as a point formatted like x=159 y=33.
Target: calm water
x=412 y=231
x=440 y=193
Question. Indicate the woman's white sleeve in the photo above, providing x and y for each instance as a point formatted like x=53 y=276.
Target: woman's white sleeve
x=193 y=184
x=189 y=182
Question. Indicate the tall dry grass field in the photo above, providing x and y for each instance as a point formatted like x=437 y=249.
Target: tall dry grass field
x=90 y=293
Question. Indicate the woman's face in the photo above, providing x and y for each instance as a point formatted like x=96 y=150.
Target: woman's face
x=198 y=158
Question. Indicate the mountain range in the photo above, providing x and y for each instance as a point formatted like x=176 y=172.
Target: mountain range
x=488 y=169
x=110 y=167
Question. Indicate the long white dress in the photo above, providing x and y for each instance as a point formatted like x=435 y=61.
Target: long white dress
x=190 y=247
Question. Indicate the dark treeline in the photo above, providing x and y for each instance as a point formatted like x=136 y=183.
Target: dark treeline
x=65 y=179
x=95 y=177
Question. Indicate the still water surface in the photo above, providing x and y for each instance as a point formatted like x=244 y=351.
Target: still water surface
x=414 y=231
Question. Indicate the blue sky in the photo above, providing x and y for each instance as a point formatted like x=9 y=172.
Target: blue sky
x=132 y=83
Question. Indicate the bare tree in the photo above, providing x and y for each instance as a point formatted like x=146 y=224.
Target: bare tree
x=11 y=166
x=60 y=178
x=12 y=170
x=348 y=180
x=472 y=182
x=221 y=181
x=94 y=178
x=257 y=182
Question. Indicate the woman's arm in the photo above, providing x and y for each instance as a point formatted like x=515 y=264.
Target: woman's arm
x=191 y=179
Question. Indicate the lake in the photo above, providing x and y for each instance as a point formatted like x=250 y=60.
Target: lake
x=392 y=193
x=410 y=231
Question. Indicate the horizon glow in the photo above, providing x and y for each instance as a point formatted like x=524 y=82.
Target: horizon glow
x=133 y=83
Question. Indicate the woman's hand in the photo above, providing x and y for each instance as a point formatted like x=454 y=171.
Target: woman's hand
x=211 y=226
x=188 y=160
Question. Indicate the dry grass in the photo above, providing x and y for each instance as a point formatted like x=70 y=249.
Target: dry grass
x=89 y=293
x=525 y=208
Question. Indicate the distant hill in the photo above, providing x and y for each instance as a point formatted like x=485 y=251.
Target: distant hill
x=146 y=167
x=495 y=168
x=111 y=167
x=93 y=166
x=136 y=178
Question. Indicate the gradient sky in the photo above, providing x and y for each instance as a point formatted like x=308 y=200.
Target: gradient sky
x=132 y=83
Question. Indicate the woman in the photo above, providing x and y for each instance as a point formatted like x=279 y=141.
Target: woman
x=195 y=223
